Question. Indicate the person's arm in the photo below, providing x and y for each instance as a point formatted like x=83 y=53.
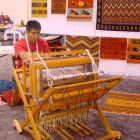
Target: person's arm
x=20 y=51
x=23 y=55
x=45 y=49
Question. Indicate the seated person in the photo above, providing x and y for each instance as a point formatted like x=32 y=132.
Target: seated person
x=30 y=44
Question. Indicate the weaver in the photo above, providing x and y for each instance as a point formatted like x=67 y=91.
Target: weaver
x=67 y=81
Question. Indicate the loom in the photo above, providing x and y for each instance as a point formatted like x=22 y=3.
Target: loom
x=67 y=81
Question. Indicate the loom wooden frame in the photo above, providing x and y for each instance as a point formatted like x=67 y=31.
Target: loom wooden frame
x=89 y=88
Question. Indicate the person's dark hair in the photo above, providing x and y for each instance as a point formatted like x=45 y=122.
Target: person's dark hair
x=33 y=24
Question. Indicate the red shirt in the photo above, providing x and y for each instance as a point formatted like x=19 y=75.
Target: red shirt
x=21 y=45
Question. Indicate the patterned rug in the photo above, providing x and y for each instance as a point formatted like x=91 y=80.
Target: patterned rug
x=133 y=52
x=83 y=42
x=39 y=8
x=7 y=90
x=6 y=85
x=113 y=48
x=122 y=103
x=58 y=7
x=118 y=15
x=80 y=10
x=8 y=95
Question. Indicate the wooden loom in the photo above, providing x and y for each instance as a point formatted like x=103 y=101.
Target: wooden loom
x=64 y=97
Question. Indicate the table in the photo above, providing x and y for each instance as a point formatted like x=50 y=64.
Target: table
x=2 y=29
x=19 y=33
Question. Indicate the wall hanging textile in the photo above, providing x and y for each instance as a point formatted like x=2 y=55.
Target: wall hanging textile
x=39 y=8
x=118 y=15
x=113 y=48
x=58 y=7
x=122 y=103
x=80 y=10
x=133 y=52
x=83 y=42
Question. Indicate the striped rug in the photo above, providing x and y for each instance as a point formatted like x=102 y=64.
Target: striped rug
x=83 y=42
x=122 y=103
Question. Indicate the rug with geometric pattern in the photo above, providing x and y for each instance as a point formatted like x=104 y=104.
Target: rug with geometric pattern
x=118 y=15
x=133 y=52
x=39 y=8
x=113 y=48
x=58 y=7
x=122 y=103
x=83 y=42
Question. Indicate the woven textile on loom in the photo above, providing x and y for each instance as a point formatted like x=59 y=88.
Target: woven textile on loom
x=118 y=15
x=133 y=52
x=58 y=7
x=113 y=48
x=80 y=10
x=39 y=8
x=122 y=103
x=83 y=42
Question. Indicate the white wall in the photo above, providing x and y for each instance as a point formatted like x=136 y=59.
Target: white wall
x=16 y=9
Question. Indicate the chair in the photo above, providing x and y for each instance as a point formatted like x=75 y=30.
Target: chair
x=14 y=61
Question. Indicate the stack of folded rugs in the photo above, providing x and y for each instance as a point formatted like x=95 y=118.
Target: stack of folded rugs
x=7 y=89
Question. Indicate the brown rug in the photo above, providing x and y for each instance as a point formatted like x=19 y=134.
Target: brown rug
x=122 y=103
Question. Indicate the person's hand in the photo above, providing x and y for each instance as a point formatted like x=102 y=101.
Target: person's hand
x=44 y=57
